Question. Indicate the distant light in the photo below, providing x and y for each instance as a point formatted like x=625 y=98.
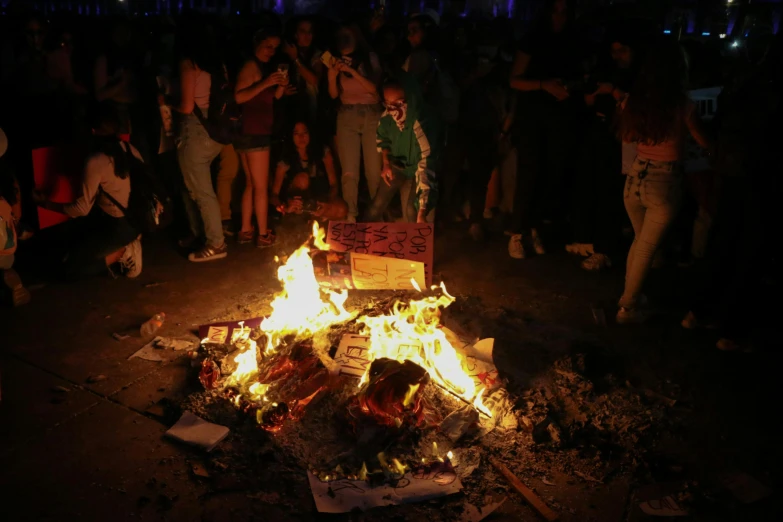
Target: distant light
x=729 y=1
x=722 y=35
x=666 y=31
x=705 y=34
x=237 y=12
x=735 y=43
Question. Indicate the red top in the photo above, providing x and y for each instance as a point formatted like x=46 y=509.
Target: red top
x=257 y=113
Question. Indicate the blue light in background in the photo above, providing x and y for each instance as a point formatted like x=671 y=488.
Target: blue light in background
x=705 y=34
x=667 y=31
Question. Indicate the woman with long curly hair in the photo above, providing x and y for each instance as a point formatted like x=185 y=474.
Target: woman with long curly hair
x=656 y=115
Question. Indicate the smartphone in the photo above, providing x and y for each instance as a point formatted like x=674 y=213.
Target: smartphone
x=328 y=59
x=283 y=68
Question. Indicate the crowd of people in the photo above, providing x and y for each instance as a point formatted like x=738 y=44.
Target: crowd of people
x=457 y=119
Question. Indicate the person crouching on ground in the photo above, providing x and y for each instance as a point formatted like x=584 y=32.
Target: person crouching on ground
x=106 y=239
x=411 y=140
x=305 y=179
x=10 y=212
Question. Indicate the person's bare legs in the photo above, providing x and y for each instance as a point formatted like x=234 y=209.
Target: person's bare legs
x=247 y=196
x=258 y=165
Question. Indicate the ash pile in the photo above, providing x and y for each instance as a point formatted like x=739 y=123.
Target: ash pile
x=390 y=434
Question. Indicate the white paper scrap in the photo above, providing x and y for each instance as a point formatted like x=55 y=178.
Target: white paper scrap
x=195 y=431
x=342 y=496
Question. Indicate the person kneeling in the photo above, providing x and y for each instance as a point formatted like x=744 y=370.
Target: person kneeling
x=305 y=180
x=107 y=239
x=410 y=137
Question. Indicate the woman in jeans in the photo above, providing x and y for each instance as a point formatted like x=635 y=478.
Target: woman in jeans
x=353 y=78
x=256 y=91
x=195 y=149
x=655 y=116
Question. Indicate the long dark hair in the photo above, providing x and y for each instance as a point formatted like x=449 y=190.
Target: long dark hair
x=315 y=149
x=195 y=41
x=361 y=52
x=106 y=140
x=655 y=108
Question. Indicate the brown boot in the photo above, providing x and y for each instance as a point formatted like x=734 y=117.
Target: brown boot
x=19 y=294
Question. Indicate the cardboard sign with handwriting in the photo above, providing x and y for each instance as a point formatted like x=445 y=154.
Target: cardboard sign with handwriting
x=352 y=356
x=221 y=333
x=365 y=272
x=411 y=241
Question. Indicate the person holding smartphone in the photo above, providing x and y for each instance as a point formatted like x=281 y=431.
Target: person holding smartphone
x=255 y=90
x=353 y=78
x=306 y=70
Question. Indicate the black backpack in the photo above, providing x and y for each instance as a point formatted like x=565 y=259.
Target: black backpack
x=223 y=118
x=149 y=207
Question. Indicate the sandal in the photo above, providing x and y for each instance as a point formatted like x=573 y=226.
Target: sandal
x=209 y=253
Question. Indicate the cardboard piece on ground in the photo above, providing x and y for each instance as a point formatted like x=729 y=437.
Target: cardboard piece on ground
x=352 y=356
x=477 y=514
x=57 y=171
x=411 y=241
x=342 y=496
x=149 y=352
x=195 y=431
x=349 y=270
x=174 y=344
x=744 y=487
x=221 y=333
x=477 y=358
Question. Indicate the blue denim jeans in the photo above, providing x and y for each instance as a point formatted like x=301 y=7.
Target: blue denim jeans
x=195 y=153
x=653 y=196
x=357 y=128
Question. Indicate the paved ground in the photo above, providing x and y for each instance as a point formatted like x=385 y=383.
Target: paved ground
x=94 y=453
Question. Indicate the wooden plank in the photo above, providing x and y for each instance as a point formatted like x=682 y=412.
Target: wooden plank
x=531 y=498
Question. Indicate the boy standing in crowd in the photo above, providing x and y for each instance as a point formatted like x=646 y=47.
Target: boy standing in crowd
x=411 y=140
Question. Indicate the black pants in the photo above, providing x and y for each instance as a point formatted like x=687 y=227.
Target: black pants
x=597 y=211
x=730 y=281
x=93 y=238
x=481 y=152
x=544 y=138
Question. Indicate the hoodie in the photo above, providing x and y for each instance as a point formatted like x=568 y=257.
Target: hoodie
x=417 y=147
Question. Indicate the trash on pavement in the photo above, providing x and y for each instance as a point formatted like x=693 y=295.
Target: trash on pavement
x=195 y=431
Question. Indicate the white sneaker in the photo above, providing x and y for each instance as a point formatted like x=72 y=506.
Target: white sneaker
x=597 y=262
x=538 y=246
x=131 y=259
x=515 y=247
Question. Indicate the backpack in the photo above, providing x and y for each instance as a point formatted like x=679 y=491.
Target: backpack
x=149 y=207
x=223 y=119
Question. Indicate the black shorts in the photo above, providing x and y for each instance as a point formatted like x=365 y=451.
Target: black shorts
x=252 y=143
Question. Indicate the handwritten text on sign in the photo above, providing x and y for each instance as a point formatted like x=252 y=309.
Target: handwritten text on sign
x=375 y=272
x=352 y=356
x=412 y=241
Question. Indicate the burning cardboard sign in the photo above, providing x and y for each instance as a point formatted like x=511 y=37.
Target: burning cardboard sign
x=393 y=241
x=366 y=272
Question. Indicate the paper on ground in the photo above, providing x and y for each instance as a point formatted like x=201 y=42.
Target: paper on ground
x=174 y=344
x=663 y=507
x=195 y=431
x=475 y=514
x=149 y=352
x=342 y=496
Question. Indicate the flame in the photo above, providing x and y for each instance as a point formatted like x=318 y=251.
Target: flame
x=303 y=307
x=411 y=331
